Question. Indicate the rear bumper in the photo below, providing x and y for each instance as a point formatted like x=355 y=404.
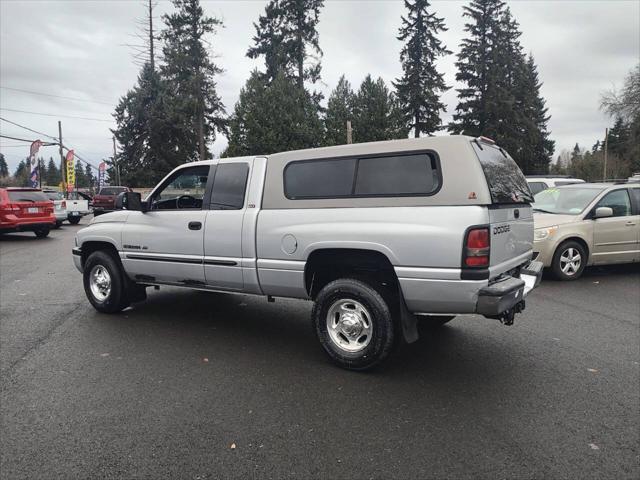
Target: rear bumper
x=27 y=227
x=508 y=294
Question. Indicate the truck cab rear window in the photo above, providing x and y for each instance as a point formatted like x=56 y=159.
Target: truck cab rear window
x=393 y=175
x=229 y=185
x=505 y=180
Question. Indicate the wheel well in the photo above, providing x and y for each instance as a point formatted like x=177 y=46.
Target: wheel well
x=577 y=240
x=89 y=247
x=326 y=265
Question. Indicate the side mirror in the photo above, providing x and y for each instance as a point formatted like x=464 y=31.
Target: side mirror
x=129 y=201
x=603 y=212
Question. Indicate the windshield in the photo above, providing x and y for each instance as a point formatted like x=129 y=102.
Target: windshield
x=565 y=201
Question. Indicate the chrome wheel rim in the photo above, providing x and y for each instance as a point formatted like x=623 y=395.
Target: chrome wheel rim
x=100 y=283
x=350 y=325
x=570 y=261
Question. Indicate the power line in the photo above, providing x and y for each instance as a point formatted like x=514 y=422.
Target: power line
x=57 y=115
x=56 y=96
x=45 y=144
x=27 y=128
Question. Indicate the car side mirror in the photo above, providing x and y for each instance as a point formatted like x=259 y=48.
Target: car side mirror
x=129 y=201
x=603 y=212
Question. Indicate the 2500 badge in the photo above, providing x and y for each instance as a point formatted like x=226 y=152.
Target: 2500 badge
x=501 y=229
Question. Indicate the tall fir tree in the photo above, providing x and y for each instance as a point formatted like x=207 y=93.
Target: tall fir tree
x=501 y=96
x=273 y=116
x=534 y=149
x=421 y=84
x=52 y=175
x=339 y=111
x=4 y=169
x=149 y=132
x=21 y=174
x=190 y=74
x=287 y=37
x=377 y=113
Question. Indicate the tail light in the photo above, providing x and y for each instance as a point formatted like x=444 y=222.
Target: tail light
x=477 y=248
x=64 y=204
x=10 y=207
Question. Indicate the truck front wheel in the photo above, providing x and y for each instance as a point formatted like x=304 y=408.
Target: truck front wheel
x=104 y=283
x=353 y=323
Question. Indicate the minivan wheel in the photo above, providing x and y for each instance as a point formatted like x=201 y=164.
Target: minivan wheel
x=41 y=232
x=569 y=261
x=353 y=323
x=104 y=284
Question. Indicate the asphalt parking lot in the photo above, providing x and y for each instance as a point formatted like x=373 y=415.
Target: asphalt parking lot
x=202 y=385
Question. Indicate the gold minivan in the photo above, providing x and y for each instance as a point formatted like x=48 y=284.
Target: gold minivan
x=586 y=224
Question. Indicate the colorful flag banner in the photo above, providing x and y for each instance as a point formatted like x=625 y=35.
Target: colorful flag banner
x=102 y=169
x=35 y=146
x=71 y=171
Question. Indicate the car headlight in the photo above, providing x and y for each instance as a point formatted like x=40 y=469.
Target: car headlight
x=540 y=234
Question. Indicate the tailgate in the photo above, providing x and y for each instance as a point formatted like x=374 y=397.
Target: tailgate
x=511 y=230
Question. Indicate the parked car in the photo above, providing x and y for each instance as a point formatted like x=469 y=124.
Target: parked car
x=77 y=207
x=537 y=183
x=373 y=233
x=59 y=206
x=104 y=201
x=26 y=210
x=586 y=224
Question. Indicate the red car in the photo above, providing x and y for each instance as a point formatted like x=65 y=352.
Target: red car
x=26 y=210
x=105 y=200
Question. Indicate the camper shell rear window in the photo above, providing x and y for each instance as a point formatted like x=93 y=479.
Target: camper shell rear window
x=506 y=182
x=386 y=175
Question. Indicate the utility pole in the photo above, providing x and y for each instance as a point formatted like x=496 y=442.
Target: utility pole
x=152 y=61
x=62 y=169
x=606 y=147
x=349 y=132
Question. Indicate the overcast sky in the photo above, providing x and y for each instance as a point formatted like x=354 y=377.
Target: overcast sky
x=76 y=49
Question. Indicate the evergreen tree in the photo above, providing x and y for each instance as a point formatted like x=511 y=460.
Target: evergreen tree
x=81 y=180
x=4 y=169
x=530 y=143
x=287 y=37
x=149 y=131
x=190 y=74
x=52 y=173
x=377 y=113
x=273 y=117
x=339 y=111
x=88 y=175
x=421 y=85
x=21 y=174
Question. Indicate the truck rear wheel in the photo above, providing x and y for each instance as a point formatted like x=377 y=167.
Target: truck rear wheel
x=74 y=220
x=353 y=323
x=104 y=283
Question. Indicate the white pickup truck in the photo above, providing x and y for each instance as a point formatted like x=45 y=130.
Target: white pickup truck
x=376 y=234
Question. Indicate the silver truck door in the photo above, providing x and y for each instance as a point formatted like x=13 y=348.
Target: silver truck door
x=223 y=226
x=165 y=244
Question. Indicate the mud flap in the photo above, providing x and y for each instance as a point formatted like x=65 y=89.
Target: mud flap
x=408 y=321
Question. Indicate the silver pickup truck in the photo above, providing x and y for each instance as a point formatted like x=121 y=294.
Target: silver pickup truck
x=376 y=234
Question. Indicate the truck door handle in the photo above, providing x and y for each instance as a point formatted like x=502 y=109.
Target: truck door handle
x=195 y=225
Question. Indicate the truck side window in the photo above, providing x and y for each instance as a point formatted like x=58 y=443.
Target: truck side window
x=397 y=175
x=184 y=190
x=618 y=201
x=229 y=186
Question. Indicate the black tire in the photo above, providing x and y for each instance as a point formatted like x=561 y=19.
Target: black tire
x=58 y=224
x=435 y=321
x=74 y=220
x=117 y=299
x=382 y=326
x=559 y=260
x=42 y=232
